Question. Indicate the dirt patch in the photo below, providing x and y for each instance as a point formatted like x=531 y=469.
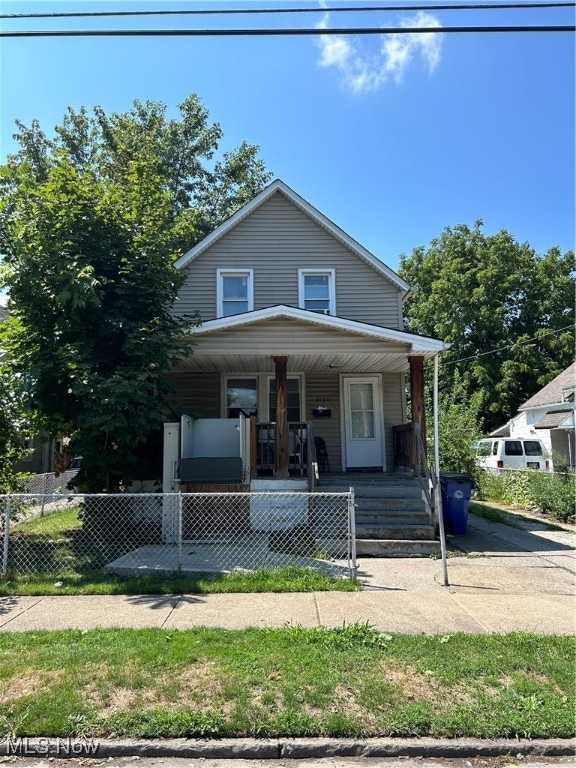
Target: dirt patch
x=26 y=683
x=419 y=686
x=197 y=685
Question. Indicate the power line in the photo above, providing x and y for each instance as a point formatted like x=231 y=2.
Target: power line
x=245 y=11
x=509 y=346
x=281 y=32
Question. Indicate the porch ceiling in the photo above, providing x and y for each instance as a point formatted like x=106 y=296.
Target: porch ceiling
x=298 y=363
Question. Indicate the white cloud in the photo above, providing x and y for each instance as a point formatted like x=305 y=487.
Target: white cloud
x=363 y=70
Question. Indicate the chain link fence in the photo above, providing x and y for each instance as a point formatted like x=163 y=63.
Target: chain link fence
x=56 y=535
x=49 y=483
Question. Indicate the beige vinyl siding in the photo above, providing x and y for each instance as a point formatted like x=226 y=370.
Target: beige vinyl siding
x=288 y=336
x=277 y=240
x=198 y=394
x=392 y=386
x=325 y=390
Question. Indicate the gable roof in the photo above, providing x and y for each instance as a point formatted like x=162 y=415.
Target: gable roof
x=423 y=345
x=555 y=391
x=279 y=187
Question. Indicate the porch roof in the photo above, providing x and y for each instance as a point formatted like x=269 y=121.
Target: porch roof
x=313 y=343
x=561 y=419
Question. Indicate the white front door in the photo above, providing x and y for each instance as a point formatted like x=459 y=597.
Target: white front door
x=363 y=422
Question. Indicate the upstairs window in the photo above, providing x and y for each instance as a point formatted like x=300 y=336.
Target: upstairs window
x=235 y=292
x=316 y=290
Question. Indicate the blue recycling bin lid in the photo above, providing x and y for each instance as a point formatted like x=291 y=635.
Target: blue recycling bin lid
x=458 y=477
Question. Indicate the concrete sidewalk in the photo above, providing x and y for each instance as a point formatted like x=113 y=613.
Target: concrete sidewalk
x=511 y=579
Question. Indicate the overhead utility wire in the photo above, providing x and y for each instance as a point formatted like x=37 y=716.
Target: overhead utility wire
x=510 y=346
x=235 y=11
x=277 y=32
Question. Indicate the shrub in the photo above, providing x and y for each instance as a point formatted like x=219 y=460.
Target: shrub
x=552 y=493
x=555 y=494
x=489 y=485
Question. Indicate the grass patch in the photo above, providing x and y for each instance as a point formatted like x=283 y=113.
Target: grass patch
x=287 y=682
x=512 y=520
x=493 y=514
x=52 y=555
x=287 y=579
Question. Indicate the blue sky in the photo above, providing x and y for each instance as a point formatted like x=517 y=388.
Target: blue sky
x=391 y=138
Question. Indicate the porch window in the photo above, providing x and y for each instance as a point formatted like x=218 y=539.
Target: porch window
x=235 y=291
x=316 y=291
x=292 y=399
x=241 y=397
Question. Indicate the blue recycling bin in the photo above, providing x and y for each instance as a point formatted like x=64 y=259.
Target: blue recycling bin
x=456 y=488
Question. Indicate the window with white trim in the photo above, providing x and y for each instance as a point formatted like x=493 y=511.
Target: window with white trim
x=234 y=291
x=316 y=290
x=293 y=399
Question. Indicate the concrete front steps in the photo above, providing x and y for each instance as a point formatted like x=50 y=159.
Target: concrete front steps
x=392 y=519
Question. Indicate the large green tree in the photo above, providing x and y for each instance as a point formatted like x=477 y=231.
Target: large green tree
x=91 y=221
x=507 y=312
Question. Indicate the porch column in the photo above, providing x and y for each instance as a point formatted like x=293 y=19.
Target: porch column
x=417 y=394
x=281 y=454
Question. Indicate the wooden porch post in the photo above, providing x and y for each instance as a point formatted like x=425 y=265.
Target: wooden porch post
x=417 y=394
x=281 y=454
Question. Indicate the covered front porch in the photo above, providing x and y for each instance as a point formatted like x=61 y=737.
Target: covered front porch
x=311 y=393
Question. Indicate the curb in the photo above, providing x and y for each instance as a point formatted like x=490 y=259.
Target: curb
x=276 y=749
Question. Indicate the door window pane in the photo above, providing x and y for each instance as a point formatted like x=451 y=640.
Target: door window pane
x=362 y=411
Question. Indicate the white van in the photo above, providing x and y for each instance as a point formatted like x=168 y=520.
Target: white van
x=511 y=453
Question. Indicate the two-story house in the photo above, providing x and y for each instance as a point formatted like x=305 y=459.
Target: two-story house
x=300 y=327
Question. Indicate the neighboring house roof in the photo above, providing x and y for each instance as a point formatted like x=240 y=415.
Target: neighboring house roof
x=278 y=187
x=555 y=392
x=503 y=431
x=419 y=344
x=555 y=419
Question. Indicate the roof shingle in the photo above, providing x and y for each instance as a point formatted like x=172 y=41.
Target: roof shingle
x=553 y=391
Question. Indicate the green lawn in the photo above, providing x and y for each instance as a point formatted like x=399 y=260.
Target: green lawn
x=511 y=519
x=53 y=555
x=352 y=681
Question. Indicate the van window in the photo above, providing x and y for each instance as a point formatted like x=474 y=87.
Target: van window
x=512 y=448
x=532 y=448
x=484 y=448
x=495 y=448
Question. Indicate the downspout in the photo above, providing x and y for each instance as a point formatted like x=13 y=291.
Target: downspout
x=437 y=487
